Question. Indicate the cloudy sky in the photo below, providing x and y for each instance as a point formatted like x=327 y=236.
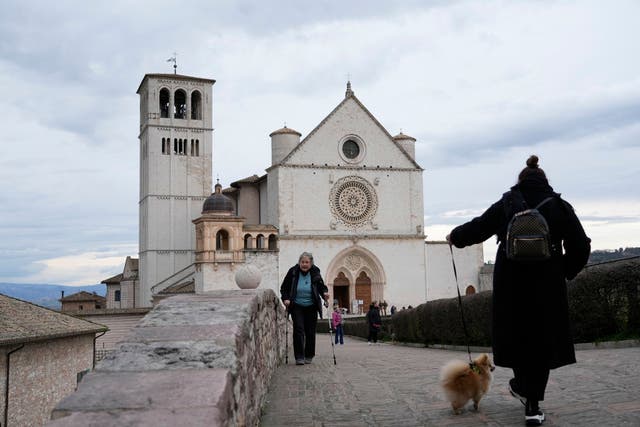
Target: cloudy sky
x=480 y=84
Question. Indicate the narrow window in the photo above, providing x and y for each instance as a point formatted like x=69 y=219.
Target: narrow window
x=222 y=240
x=116 y=295
x=273 y=243
x=175 y=145
x=163 y=146
x=260 y=241
x=167 y=150
x=197 y=147
x=196 y=102
x=180 y=104
x=80 y=308
x=164 y=103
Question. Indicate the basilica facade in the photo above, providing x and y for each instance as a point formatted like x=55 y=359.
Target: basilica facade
x=349 y=192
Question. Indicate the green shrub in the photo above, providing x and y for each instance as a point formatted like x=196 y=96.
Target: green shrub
x=604 y=304
x=603 y=301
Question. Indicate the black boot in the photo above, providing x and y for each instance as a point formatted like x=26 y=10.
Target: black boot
x=533 y=416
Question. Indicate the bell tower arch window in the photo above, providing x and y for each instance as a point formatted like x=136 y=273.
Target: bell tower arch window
x=196 y=105
x=164 y=102
x=222 y=240
x=180 y=104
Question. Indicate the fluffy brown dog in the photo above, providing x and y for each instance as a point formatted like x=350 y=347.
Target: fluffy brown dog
x=462 y=382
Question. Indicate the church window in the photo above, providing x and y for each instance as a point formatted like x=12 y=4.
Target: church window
x=195 y=147
x=351 y=149
x=164 y=103
x=196 y=105
x=180 y=104
x=260 y=241
x=164 y=146
x=116 y=295
x=353 y=201
x=222 y=240
x=248 y=241
x=273 y=242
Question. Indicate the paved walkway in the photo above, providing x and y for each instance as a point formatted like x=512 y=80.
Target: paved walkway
x=389 y=385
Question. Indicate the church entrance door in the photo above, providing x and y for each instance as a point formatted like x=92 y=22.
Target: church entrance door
x=363 y=290
x=341 y=290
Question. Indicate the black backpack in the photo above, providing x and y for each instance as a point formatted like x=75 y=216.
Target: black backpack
x=528 y=238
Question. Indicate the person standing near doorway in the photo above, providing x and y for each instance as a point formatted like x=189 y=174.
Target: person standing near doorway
x=375 y=323
x=336 y=324
x=303 y=292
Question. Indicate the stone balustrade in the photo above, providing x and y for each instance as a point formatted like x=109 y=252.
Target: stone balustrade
x=193 y=360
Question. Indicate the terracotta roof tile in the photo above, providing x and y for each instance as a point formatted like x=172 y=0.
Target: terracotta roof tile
x=21 y=321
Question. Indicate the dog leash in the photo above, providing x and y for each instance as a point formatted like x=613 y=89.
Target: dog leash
x=464 y=324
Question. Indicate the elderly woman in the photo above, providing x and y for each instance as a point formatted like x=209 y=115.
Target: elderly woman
x=303 y=292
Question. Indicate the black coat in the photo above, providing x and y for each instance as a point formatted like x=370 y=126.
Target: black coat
x=289 y=287
x=530 y=308
x=373 y=318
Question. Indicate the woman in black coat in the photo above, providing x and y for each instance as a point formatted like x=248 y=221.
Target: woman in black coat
x=530 y=310
x=375 y=323
x=303 y=292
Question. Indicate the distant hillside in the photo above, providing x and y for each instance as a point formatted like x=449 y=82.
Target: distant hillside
x=46 y=295
x=612 y=254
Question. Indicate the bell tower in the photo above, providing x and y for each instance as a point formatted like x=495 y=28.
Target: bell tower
x=176 y=149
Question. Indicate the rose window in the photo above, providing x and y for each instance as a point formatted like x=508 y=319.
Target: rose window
x=353 y=200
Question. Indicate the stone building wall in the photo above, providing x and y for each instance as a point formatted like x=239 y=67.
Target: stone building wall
x=214 y=352
x=41 y=374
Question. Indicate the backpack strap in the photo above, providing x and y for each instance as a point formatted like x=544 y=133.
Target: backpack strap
x=543 y=202
x=513 y=202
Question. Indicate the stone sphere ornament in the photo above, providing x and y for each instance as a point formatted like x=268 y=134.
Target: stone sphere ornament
x=248 y=277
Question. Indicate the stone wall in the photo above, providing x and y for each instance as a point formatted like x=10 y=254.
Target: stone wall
x=42 y=373
x=193 y=360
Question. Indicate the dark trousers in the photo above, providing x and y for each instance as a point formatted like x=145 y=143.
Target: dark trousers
x=340 y=334
x=304 y=331
x=532 y=381
x=373 y=335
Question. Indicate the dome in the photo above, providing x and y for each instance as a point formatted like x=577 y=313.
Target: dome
x=401 y=136
x=218 y=203
x=285 y=130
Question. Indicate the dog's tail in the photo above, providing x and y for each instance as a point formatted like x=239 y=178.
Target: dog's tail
x=453 y=370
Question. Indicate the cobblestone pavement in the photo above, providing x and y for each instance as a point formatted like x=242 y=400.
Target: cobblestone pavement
x=389 y=385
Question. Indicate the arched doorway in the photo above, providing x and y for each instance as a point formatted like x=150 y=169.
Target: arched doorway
x=363 y=290
x=341 y=290
x=359 y=270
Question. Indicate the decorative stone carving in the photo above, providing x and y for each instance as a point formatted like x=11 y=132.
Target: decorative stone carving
x=353 y=201
x=353 y=262
x=248 y=277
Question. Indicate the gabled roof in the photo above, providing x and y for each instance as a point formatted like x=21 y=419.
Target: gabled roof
x=350 y=95
x=21 y=321
x=113 y=280
x=253 y=179
x=83 y=296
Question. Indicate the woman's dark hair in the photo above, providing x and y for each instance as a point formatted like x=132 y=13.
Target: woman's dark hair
x=532 y=169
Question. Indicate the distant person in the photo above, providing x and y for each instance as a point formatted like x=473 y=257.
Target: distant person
x=336 y=324
x=375 y=323
x=393 y=310
x=410 y=307
x=530 y=310
x=303 y=292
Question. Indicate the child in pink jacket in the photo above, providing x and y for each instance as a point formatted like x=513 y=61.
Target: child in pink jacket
x=336 y=324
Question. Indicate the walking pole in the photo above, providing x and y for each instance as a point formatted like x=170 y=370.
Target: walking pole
x=333 y=348
x=286 y=337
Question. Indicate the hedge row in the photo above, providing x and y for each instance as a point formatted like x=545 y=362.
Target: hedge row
x=604 y=304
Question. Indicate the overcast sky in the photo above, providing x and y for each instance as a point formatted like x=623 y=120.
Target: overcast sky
x=481 y=85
